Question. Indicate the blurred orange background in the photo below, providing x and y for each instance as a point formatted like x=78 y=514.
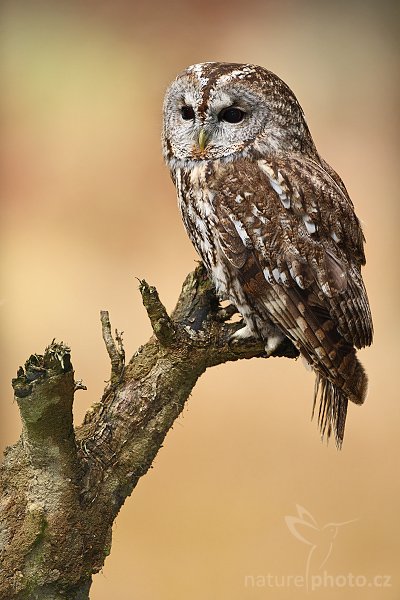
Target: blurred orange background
x=87 y=206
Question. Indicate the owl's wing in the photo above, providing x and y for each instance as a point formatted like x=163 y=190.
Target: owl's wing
x=292 y=223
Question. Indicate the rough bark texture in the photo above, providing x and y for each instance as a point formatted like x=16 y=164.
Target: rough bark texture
x=61 y=488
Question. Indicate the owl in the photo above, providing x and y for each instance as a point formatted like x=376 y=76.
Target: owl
x=272 y=223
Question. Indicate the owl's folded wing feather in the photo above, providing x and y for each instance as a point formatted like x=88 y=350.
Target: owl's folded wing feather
x=298 y=224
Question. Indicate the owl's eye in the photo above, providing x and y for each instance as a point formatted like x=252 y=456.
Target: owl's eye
x=187 y=113
x=231 y=115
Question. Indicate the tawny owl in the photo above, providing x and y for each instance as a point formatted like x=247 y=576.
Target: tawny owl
x=272 y=222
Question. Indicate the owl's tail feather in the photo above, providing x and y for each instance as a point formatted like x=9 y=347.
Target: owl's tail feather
x=333 y=400
x=332 y=409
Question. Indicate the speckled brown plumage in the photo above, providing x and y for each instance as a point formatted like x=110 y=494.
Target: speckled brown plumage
x=272 y=222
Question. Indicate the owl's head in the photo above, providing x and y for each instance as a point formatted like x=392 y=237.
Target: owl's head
x=227 y=110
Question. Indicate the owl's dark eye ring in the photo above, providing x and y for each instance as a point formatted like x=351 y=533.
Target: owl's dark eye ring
x=231 y=114
x=187 y=113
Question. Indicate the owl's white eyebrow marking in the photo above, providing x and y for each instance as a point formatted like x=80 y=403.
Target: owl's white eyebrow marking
x=197 y=70
x=237 y=74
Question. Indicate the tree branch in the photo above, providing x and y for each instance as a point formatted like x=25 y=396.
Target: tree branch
x=115 y=349
x=58 y=529
x=161 y=324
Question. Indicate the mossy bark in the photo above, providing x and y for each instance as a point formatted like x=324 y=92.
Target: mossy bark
x=60 y=488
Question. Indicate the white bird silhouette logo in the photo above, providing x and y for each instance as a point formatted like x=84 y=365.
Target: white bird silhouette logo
x=320 y=539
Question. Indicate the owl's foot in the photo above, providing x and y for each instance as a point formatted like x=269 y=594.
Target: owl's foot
x=243 y=333
x=225 y=313
x=273 y=341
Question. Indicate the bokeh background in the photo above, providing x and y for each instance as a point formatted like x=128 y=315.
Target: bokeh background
x=87 y=206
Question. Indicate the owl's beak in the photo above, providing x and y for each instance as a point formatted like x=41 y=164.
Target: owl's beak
x=203 y=139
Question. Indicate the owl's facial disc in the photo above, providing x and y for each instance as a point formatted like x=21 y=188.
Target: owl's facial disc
x=228 y=111
x=218 y=124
